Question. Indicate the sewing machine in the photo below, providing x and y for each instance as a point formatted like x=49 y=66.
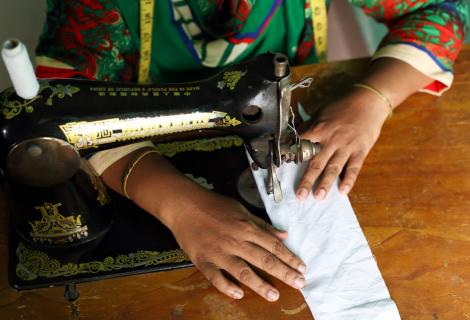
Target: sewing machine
x=67 y=228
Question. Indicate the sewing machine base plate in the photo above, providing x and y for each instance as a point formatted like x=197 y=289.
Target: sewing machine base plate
x=136 y=242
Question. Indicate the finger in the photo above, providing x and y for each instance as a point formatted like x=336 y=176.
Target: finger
x=352 y=171
x=280 y=234
x=221 y=283
x=313 y=171
x=278 y=249
x=330 y=174
x=243 y=273
x=314 y=133
x=268 y=262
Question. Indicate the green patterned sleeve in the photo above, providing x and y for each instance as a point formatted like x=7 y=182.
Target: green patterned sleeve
x=436 y=27
x=86 y=38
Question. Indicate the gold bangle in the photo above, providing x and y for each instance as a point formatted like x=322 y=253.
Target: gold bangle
x=378 y=93
x=131 y=168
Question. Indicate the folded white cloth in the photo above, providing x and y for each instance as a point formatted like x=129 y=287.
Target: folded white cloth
x=342 y=279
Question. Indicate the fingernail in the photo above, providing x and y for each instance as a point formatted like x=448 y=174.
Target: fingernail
x=282 y=235
x=273 y=295
x=302 y=193
x=345 y=189
x=299 y=283
x=280 y=230
x=302 y=268
x=237 y=294
x=320 y=194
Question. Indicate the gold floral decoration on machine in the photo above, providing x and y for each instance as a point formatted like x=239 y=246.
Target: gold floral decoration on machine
x=170 y=149
x=33 y=264
x=54 y=228
x=230 y=79
x=12 y=108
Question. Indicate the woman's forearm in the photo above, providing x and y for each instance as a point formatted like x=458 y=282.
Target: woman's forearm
x=154 y=184
x=395 y=79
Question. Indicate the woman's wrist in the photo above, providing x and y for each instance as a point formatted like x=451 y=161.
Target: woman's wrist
x=363 y=103
x=154 y=184
x=160 y=189
x=378 y=93
x=366 y=101
x=130 y=168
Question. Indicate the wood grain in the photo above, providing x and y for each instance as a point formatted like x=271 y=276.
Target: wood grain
x=412 y=200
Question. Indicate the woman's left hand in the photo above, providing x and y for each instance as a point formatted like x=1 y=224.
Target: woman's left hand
x=347 y=131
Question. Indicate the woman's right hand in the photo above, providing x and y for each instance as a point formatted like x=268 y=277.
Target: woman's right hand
x=219 y=234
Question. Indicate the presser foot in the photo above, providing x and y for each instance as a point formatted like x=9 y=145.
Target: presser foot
x=273 y=185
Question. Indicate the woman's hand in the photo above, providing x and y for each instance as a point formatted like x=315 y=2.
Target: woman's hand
x=348 y=128
x=347 y=131
x=220 y=236
x=217 y=233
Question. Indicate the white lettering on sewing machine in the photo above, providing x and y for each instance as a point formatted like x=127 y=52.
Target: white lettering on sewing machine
x=144 y=91
x=89 y=134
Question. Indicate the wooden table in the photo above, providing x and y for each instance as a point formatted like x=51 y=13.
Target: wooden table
x=412 y=200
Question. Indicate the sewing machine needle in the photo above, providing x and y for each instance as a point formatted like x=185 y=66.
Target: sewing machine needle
x=275 y=185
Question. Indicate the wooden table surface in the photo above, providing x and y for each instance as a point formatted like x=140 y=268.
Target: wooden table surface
x=412 y=200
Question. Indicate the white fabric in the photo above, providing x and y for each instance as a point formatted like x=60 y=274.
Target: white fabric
x=343 y=281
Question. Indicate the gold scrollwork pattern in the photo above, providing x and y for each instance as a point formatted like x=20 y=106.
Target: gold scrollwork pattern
x=12 y=108
x=102 y=195
x=55 y=228
x=60 y=91
x=172 y=148
x=34 y=264
x=230 y=79
x=231 y=122
x=200 y=181
x=103 y=198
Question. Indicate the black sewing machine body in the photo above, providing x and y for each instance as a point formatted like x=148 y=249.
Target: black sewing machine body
x=71 y=118
x=58 y=204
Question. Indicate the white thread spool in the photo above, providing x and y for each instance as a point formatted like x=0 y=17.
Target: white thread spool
x=19 y=67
